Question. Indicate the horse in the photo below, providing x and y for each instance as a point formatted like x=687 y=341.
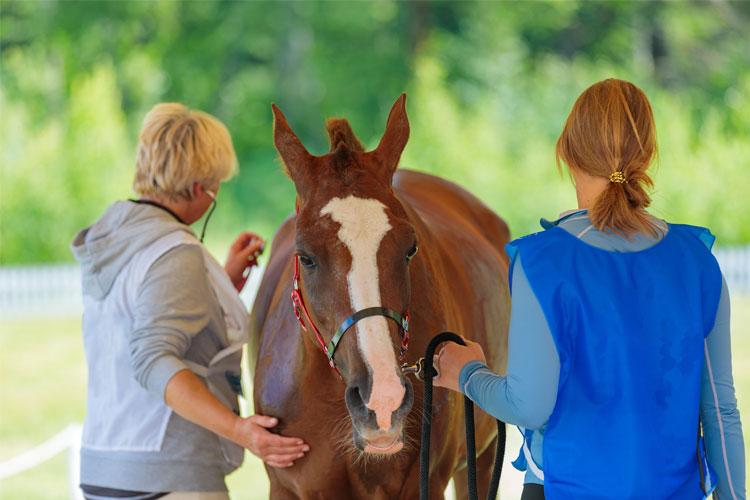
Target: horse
x=409 y=246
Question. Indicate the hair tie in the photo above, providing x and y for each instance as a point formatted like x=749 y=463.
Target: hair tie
x=617 y=177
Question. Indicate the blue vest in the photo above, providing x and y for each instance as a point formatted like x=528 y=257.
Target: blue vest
x=629 y=329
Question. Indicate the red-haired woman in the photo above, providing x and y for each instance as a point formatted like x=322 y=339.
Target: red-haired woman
x=619 y=349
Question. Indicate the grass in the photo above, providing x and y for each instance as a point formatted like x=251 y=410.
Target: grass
x=42 y=390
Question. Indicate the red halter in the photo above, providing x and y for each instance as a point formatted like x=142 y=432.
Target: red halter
x=304 y=318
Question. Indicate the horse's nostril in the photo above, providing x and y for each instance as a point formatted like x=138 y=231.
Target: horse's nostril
x=408 y=400
x=354 y=400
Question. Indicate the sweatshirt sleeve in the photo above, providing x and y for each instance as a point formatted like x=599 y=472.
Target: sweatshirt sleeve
x=171 y=308
x=721 y=418
x=526 y=396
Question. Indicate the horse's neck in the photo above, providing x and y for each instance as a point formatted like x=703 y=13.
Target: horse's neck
x=433 y=265
x=429 y=245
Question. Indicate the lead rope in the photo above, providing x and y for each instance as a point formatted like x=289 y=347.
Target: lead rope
x=471 y=448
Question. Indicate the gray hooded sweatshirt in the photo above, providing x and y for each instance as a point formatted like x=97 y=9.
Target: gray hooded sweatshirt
x=139 y=327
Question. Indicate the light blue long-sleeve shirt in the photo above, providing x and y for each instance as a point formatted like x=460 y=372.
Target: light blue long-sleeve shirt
x=526 y=395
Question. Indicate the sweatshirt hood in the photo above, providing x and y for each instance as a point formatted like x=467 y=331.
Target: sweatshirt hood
x=104 y=248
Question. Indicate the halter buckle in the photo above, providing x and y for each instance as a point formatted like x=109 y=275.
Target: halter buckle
x=416 y=369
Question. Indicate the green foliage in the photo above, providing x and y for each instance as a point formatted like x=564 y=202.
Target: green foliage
x=490 y=85
x=59 y=173
x=504 y=153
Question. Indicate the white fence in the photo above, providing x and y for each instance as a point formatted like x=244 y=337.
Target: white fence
x=735 y=263
x=55 y=290
x=68 y=440
x=51 y=290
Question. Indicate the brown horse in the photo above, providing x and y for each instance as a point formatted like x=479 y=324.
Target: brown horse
x=357 y=231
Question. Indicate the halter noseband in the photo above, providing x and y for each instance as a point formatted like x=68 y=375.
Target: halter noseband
x=303 y=316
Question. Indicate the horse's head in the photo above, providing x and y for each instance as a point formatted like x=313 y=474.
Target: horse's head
x=354 y=243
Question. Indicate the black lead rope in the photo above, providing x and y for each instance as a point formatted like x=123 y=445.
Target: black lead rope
x=471 y=447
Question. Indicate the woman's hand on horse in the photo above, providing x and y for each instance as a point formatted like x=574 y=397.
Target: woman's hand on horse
x=243 y=256
x=451 y=359
x=277 y=451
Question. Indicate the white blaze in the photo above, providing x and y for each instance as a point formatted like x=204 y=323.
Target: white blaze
x=364 y=223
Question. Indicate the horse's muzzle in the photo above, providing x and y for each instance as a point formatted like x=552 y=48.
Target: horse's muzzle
x=366 y=433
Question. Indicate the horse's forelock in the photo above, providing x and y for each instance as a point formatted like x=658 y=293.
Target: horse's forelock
x=341 y=136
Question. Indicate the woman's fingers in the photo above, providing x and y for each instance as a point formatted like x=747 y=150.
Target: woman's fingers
x=280 y=465
x=247 y=248
x=436 y=361
x=288 y=450
x=248 y=255
x=436 y=365
x=283 y=441
x=243 y=255
x=240 y=241
x=264 y=421
x=246 y=243
x=283 y=458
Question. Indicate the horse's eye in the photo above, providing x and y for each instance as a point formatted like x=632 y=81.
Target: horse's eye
x=306 y=261
x=412 y=252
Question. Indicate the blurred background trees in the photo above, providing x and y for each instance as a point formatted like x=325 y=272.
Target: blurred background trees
x=489 y=84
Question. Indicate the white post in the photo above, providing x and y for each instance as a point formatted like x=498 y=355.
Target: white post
x=74 y=462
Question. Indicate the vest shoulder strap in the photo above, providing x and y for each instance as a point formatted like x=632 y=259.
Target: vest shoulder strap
x=702 y=233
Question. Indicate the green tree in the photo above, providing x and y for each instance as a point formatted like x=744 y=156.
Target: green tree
x=490 y=85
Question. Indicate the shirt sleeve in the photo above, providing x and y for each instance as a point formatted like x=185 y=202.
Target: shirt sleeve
x=526 y=396
x=170 y=309
x=719 y=414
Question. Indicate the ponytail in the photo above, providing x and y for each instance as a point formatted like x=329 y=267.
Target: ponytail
x=610 y=133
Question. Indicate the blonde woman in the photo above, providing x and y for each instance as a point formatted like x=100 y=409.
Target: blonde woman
x=619 y=347
x=163 y=327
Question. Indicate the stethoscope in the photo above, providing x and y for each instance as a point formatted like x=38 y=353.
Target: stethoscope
x=211 y=195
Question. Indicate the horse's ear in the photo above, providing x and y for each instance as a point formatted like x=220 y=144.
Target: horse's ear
x=297 y=160
x=394 y=139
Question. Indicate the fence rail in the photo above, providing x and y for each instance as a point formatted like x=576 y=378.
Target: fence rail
x=50 y=290
x=69 y=439
x=55 y=290
x=735 y=264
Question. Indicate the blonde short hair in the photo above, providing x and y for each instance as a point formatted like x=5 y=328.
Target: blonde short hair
x=178 y=147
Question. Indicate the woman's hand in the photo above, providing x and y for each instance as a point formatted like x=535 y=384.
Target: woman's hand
x=243 y=255
x=189 y=396
x=451 y=359
x=277 y=451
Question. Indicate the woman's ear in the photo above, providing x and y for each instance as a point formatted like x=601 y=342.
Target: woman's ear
x=196 y=190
